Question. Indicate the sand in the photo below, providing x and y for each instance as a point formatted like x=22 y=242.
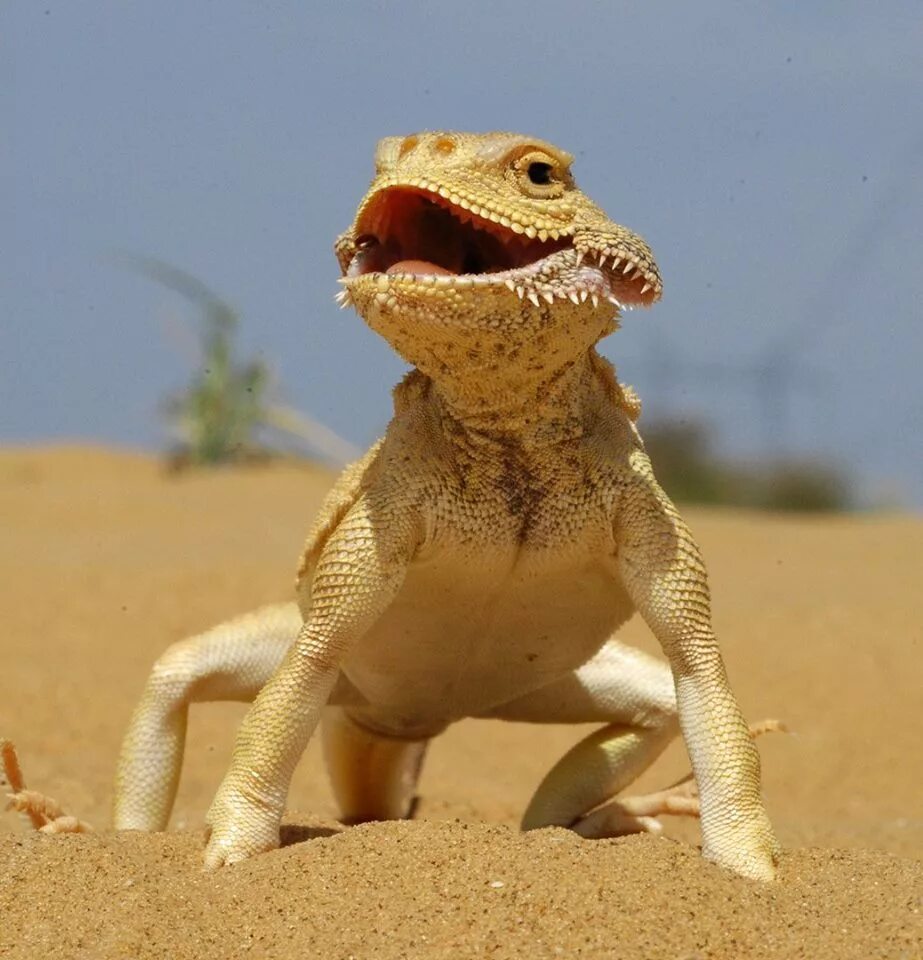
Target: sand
x=106 y=560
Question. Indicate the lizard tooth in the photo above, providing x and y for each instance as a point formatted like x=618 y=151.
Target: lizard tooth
x=510 y=285
x=572 y=296
x=579 y=258
x=628 y=266
x=517 y=227
x=602 y=259
x=520 y=292
x=530 y=232
x=554 y=234
x=595 y=300
x=583 y=296
x=645 y=288
x=637 y=275
x=615 y=262
x=533 y=296
x=543 y=235
x=548 y=295
x=504 y=221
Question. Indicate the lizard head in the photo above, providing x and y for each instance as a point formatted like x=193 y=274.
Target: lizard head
x=483 y=243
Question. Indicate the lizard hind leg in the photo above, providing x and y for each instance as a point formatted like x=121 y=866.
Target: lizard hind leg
x=374 y=777
x=632 y=693
x=231 y=661
x=593 y=772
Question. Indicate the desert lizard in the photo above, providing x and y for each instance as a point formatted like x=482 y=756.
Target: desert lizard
x=477 y=561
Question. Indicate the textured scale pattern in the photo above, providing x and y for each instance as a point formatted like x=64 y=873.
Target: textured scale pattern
x=480 y=558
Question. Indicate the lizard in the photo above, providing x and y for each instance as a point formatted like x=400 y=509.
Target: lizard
x=479 y=559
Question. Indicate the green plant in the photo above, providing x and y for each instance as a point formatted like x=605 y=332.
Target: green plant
x=225 y=409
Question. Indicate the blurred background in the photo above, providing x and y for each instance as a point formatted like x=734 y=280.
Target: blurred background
x=772 y=155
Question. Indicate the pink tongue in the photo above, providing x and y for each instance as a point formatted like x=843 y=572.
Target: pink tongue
x=418 y=266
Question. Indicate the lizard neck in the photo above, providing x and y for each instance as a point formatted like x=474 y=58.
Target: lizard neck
x=530 y=412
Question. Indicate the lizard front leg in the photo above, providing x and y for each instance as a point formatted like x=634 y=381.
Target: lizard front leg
x=662 y=569
x=358 y=573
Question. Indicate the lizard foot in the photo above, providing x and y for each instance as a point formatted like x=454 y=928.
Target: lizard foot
x=639 y=814
x=238 y=827
x=45 y=814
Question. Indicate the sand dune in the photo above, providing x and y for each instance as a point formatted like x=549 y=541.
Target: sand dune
x=106 y=560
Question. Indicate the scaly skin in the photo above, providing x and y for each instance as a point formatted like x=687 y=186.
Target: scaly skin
x=480 y=557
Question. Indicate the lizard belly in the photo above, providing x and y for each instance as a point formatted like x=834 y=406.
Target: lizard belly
x=455 y=643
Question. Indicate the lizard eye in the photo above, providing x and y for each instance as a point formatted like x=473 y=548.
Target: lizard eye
x=539 y=173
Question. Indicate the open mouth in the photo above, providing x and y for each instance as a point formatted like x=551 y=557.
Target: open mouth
x=412 y=234
x=418 y=232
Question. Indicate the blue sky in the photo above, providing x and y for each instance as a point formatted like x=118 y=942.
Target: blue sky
x=770 y=153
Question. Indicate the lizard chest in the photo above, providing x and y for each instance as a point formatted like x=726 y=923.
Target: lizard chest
x=506 y=596
x=551 y=511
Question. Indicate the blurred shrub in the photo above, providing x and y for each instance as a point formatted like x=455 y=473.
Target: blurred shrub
x=217 y=415
x=219 y=412
x=226 y=408
x=689 y=471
